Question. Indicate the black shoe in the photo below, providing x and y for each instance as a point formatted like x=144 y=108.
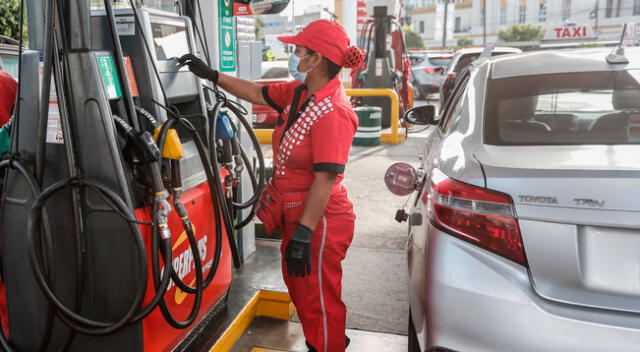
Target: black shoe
x=312 y=349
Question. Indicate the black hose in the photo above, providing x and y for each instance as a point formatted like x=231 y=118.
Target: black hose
x=261 y=168
x=43 y=116
x=74 y=320
x=225 y=210
x=120 y=68
x=35 y=190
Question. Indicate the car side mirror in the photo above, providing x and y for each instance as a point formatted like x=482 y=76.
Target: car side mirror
x=421 y=115
x=439 y=70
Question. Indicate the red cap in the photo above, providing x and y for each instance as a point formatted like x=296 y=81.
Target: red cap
x=330 y=40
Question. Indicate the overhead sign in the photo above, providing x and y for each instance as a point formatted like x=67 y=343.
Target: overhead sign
x=226 y=37
x=570 y=32
x=258 y=7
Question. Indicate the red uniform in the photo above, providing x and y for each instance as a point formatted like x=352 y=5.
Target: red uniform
x=8 y=88
x=316 y=137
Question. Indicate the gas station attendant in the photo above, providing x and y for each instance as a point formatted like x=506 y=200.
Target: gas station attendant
x=305 y=199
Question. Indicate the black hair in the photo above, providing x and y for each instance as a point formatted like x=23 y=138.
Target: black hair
x=333 y=69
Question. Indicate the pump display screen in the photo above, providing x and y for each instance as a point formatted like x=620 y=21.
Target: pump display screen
x=169 y=40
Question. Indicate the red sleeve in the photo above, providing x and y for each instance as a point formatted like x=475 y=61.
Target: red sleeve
x=331 y=140
x=279 y=95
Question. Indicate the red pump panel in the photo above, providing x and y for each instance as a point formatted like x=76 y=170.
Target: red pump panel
x=158 y=334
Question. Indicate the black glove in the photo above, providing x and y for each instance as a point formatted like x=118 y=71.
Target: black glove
x=198 y=67
x=298 y=252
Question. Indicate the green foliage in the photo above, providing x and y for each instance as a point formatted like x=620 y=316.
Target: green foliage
x=464 y=41
x=268 y=55
x=412 y=39
x=259 y=31
x=10 y=19
x=521 y=33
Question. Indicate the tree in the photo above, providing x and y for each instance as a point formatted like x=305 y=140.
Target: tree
x=465 y=41
x=412 y=39
x=259 y=31
x=10 y=19
x=521 y=33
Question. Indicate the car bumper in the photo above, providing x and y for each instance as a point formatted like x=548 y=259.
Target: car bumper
x=478 y=301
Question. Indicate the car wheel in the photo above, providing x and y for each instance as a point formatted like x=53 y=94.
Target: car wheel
x=414 y=346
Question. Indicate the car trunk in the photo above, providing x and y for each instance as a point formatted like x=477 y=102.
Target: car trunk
x=579 y=215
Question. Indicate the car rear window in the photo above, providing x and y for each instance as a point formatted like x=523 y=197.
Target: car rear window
x=440 y=61
x=9 y=63
x=416 y=60
x=466 y=60
x=276 y=72
x=564 y=109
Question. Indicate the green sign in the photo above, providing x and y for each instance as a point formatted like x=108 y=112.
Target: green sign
x=109 y=77
x=226 y=36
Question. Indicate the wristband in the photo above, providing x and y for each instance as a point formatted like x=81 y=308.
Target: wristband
x=302 y=234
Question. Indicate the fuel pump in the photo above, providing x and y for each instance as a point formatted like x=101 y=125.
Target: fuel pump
x=121 y=192
x=386 y=65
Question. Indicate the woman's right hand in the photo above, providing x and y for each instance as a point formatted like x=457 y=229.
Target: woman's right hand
x=199 y=68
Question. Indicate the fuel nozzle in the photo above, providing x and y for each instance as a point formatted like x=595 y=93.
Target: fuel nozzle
x=141 y=141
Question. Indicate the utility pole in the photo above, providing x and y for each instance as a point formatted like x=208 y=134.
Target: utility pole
x=594 y=16
x=484 y=21
x=444 y=29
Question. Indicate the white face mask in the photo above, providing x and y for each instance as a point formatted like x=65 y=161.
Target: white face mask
x=294 y=61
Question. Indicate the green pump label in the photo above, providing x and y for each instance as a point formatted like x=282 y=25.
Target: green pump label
x=109 y=77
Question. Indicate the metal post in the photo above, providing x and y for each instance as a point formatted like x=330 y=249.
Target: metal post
x=444 y=28
x=597 y=13
x=484 y=21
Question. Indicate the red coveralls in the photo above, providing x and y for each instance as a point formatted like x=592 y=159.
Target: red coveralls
x=318 y=140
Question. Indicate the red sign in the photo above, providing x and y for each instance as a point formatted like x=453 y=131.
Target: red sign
x=241 y=9
x=570 y=33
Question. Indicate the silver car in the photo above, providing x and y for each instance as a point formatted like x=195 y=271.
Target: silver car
x=525 y=230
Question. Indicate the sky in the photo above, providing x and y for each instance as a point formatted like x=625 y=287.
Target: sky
x=300 y=5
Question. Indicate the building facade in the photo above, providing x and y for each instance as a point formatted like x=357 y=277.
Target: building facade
x=466 y=18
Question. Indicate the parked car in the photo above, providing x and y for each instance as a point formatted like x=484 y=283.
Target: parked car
x=9 y=53
x=461 y=59
x=427 y=71
x=525 y=230
x=272 y=72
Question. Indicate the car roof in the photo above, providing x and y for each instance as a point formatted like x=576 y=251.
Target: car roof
x=559 y=61
x=478 y=50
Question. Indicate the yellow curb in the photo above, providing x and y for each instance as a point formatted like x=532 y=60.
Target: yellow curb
x=270 y=304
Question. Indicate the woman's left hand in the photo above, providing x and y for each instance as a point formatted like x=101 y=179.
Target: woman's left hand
x=298 y=252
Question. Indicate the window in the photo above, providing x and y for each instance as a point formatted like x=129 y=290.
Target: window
x=458 y=25
x=566 y=9
x=542 y=15
x=636 y=7
x=453 y=106
x=608 y=12
x=522 y=13
x=564 y=109
x=482 y=19
x=421 y=27
x=503 y=15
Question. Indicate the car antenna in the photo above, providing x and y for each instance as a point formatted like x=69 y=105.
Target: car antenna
x=616 y=56
x=487 y=50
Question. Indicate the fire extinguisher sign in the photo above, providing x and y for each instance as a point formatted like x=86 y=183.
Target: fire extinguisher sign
x=226 y=36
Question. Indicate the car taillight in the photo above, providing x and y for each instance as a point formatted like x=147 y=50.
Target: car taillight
x=452 y=76
x=478 y=215
x=429 y=69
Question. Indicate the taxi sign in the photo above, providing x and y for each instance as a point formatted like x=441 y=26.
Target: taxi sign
x=570 y=32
